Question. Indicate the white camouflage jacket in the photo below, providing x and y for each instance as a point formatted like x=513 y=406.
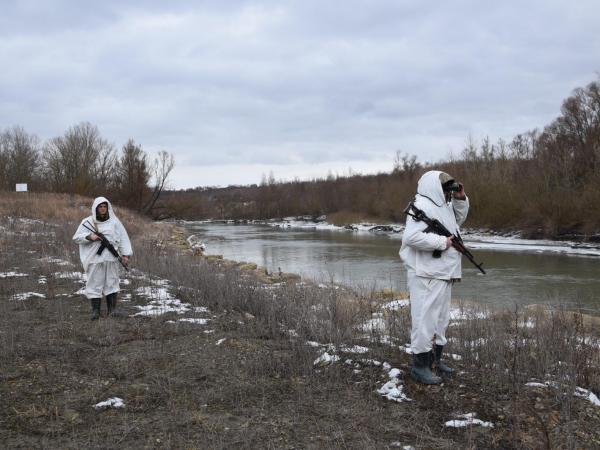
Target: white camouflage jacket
x=417 y=246
x=112 y=228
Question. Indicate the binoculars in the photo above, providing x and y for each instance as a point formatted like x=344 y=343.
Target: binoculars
x=452 y=186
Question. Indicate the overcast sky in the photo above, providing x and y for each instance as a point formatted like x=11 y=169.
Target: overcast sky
x=237 y=89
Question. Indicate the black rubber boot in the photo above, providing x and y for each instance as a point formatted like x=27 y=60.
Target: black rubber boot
x=111 y=303
x=421 y=370
x=442 y=368
x=95 y=308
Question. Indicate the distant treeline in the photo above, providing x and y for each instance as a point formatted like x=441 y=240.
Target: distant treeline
x=82 y=162
x=546 y=183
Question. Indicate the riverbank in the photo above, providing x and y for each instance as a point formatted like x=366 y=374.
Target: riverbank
x=207 y=355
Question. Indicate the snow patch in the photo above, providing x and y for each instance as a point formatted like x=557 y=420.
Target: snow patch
x=57 y=261
x=463 y=314
x=26 y=295
x=393 y=389
x=579 y=392
x=196 y=321
x=355 y=349
x=326 y=359
x=588 y=395
x=464 y=420
x=162 y=302
x=114 y=402
x=374 y=325
x=395 y=305
x=71 y=276
x=12 y=274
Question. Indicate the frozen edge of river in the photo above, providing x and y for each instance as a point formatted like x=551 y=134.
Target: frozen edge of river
x=476 y=239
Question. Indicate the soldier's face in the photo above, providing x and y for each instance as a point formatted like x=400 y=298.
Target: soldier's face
x=102 y=209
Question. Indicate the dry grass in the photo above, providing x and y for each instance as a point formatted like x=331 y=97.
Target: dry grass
x=259 y=387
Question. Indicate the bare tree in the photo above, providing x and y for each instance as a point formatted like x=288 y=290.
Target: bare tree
x=19 y=158
x=405 y=163
x=133 y=176
x=163 y=165
x=80 y=161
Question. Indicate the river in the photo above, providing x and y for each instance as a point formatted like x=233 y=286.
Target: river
x=515 y=274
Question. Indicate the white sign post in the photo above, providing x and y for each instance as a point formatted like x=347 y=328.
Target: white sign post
x=21 y=187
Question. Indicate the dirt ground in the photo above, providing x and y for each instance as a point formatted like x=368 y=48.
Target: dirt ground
x=225 y=384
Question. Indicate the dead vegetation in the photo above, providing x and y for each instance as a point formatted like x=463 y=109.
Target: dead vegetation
x=246 y=377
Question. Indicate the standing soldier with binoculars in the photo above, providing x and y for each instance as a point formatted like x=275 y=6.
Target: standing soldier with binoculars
x=433 y=264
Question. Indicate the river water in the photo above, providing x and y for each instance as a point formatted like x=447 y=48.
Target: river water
x=370 y=261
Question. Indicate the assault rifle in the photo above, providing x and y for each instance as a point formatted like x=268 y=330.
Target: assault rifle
x=435 y=226
x=104 y=243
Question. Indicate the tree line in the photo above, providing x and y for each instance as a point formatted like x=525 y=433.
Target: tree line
x=82 y=162
x=544 y=182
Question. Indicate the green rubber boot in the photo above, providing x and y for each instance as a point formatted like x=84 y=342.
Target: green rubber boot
x=111 y=303
x=421 y=370
x=442 y=368
x=95 y=308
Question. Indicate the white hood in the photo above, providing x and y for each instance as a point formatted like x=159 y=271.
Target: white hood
x=99 y=200
x=430 y=186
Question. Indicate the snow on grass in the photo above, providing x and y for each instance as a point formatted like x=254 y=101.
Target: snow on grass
x=354 y=349
x=538 y=385
x=114 y=402
x=371 y=362
x=464 y=314
x=376 y=324
x=162 y=302
x=399 y=444
x=393 y=389
x=326 y=359
x=406 y=349
x=79 y=276
x=579 y=392
x=194 y=320
x=588 y=395
x=12 y=274
x=57 y=261
x=160 y=307
x=26 y=295
x=465 y=420
x=342 y=348
x=220 y=341
x=395 y=305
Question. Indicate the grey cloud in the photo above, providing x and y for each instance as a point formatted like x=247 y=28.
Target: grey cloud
x=288 y=82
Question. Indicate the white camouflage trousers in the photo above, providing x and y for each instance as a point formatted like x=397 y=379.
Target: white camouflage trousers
x=429 y=310
x=102 y=278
